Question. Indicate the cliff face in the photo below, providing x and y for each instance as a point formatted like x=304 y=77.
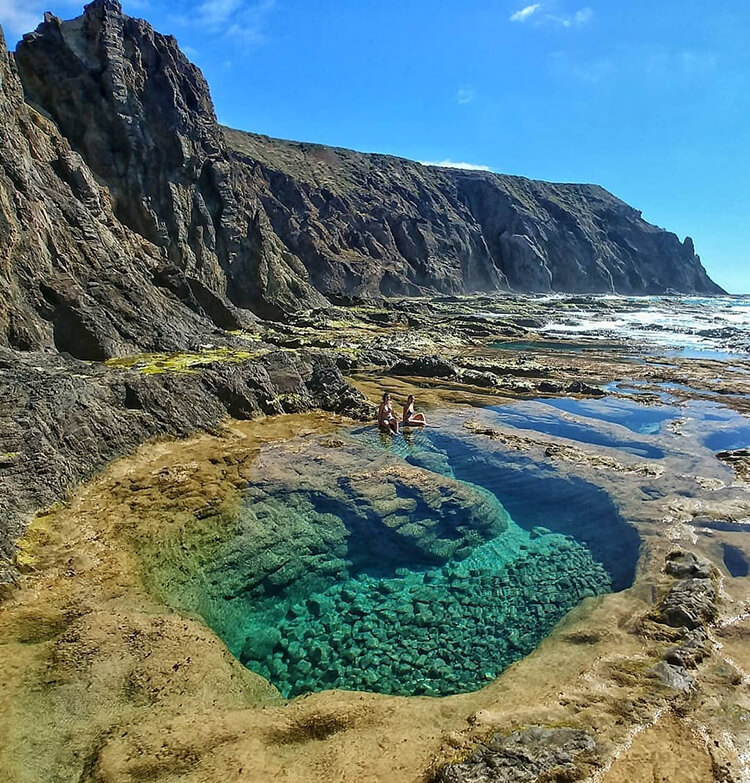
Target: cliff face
x=374 y=223
x=71 y=277
x=132 y=221
x=141 y=115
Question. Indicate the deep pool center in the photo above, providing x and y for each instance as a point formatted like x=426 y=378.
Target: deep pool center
x=423 y=566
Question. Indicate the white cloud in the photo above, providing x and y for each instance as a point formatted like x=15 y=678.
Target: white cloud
x=525 y=13
x=239 y=19
x=452 y=164
x=581 y=17
x=466 y=95
x=18 y=17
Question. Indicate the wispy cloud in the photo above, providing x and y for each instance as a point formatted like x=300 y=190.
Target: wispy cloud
x=18 y=17
x=452 y=164
x=525 y=13
x=654 y=65
x=239 y=19
x=466 y=95
x=581 y=17
x=538 y=14
x=23 y=16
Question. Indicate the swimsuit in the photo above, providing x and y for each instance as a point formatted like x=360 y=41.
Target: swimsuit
x=386 y=416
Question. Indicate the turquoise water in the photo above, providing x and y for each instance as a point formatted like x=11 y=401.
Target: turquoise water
x=535 y=496
x=430 y=633
x=417 y=565
x=437 y=631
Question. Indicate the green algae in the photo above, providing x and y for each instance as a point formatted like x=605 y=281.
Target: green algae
x=186 y=362
x=251 y=337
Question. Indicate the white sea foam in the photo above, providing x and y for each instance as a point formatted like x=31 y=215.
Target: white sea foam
x=693 y=326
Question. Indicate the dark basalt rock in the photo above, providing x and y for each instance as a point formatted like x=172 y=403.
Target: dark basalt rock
x=689 y=603
x=335 y=394
x=384 y=225
x=485 y=380
x=72 y=277
x=674 y=677
x=141 y=115
x=248 y=224
x=425 y=367
x=691 y=651
x=579 y=387
x=536 y=753
x=687 y=564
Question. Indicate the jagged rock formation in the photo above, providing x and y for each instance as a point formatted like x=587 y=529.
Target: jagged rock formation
x=71 y=276
x=142 y=117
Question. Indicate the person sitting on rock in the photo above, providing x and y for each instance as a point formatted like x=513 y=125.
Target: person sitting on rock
x=412 y=419
x=386 y=418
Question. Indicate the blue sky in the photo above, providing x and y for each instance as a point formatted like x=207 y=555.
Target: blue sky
x=649 y=98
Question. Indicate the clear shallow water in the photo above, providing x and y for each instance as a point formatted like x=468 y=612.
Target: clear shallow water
x=536 y=496
x=735 y=560
x=570 y=347
x=540 y=417
x=435 y=632
x=642 y=419
x=729 y=439
x=722 y=427
x=420 y=565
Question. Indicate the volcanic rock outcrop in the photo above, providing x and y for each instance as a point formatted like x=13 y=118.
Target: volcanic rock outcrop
x=131 y=221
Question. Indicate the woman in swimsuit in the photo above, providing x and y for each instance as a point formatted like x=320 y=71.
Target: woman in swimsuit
x=412 y=419
x=386 y=418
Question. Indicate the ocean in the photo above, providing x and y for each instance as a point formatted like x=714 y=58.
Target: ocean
x=688 y=327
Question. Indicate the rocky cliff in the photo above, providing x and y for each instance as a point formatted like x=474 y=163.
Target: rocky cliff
x=153 y=202
x=71 y=276
x=377 y=224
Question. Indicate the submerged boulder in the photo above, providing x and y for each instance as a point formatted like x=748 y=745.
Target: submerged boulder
x=316 y=512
